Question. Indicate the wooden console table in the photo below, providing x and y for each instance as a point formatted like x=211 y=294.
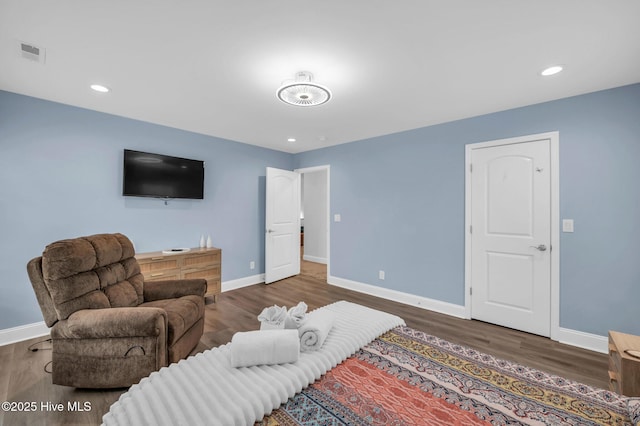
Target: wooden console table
x=197 y=263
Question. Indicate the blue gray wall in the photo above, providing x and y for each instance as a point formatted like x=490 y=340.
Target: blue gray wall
x=401 y=198
x=61 y=177
x=401 y=201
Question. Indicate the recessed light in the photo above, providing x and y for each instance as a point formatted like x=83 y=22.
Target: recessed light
x=291 y=140
x=551 y=70
x=100 y=88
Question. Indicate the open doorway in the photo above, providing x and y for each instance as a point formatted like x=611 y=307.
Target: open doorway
x=314 y=222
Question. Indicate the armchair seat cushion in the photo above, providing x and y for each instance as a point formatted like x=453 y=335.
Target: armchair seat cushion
x=182 y=314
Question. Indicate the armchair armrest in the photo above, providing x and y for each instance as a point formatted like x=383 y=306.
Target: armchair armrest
x=171 y=289
x=112 y=322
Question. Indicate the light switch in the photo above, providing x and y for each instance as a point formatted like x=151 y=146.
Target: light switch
x=567 y=225
x=337 y=218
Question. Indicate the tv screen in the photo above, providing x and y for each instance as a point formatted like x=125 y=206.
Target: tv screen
x=162 y=176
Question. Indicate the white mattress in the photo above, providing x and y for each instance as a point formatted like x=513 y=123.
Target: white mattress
x=205 y=390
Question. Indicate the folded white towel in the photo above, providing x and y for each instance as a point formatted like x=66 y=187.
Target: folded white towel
x=264 y=347
x=272 y=317
x=315 y=330
x=296 y=316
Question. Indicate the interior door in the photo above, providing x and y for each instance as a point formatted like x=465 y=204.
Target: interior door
x=511 y=235
x=282 y=227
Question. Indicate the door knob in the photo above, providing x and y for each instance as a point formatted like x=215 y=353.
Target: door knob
x=541 y=247
x=269 y=230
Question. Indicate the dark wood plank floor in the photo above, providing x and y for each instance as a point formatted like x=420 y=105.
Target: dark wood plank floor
x=23 y=377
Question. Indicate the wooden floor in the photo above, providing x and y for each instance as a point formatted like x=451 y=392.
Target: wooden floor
x=23 y=379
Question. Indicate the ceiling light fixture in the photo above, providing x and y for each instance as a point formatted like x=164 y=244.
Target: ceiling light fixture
x=551 y=70
x=303 y=92
x=100 y=88
x=291 y=140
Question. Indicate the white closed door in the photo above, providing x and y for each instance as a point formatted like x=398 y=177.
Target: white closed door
x=282 y=227
x=511 y=235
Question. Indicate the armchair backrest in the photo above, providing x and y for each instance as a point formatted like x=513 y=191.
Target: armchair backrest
x=93 y=272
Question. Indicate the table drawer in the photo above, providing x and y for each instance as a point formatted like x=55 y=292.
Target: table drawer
x=159 y=264
x=170 y=274
x=197 y=260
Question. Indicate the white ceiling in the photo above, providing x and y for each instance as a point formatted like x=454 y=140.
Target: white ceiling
x=213 y=67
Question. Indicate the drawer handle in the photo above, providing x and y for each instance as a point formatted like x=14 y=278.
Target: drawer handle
x=158 y=274
x=157 y=258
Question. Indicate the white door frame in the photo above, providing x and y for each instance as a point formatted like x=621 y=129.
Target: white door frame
x=328 y=170
x=555 y=222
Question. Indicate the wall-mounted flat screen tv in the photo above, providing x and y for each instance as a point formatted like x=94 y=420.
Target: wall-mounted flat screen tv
x=162 y=176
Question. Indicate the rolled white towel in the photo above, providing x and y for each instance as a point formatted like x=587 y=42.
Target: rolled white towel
x=264 y=347
x=315 y=330
x=296 y=316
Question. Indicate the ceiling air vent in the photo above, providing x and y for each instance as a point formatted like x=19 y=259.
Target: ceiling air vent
x=32 y=52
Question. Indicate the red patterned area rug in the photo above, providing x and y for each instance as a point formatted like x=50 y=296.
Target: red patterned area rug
x=407 y=377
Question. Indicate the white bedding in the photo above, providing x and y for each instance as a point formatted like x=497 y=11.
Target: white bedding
x=205 y=390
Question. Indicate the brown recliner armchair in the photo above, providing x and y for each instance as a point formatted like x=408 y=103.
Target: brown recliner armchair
x=109 y=327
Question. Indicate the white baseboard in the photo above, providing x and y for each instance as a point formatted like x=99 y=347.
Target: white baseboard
x=23 y=332
x=314 y=259
x=592 y=342
x=567 y=336
x=242 y=282
x=580 y=339
x=398 y=296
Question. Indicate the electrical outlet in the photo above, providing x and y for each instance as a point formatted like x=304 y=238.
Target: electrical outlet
x=381 y=275
x=252 y=265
